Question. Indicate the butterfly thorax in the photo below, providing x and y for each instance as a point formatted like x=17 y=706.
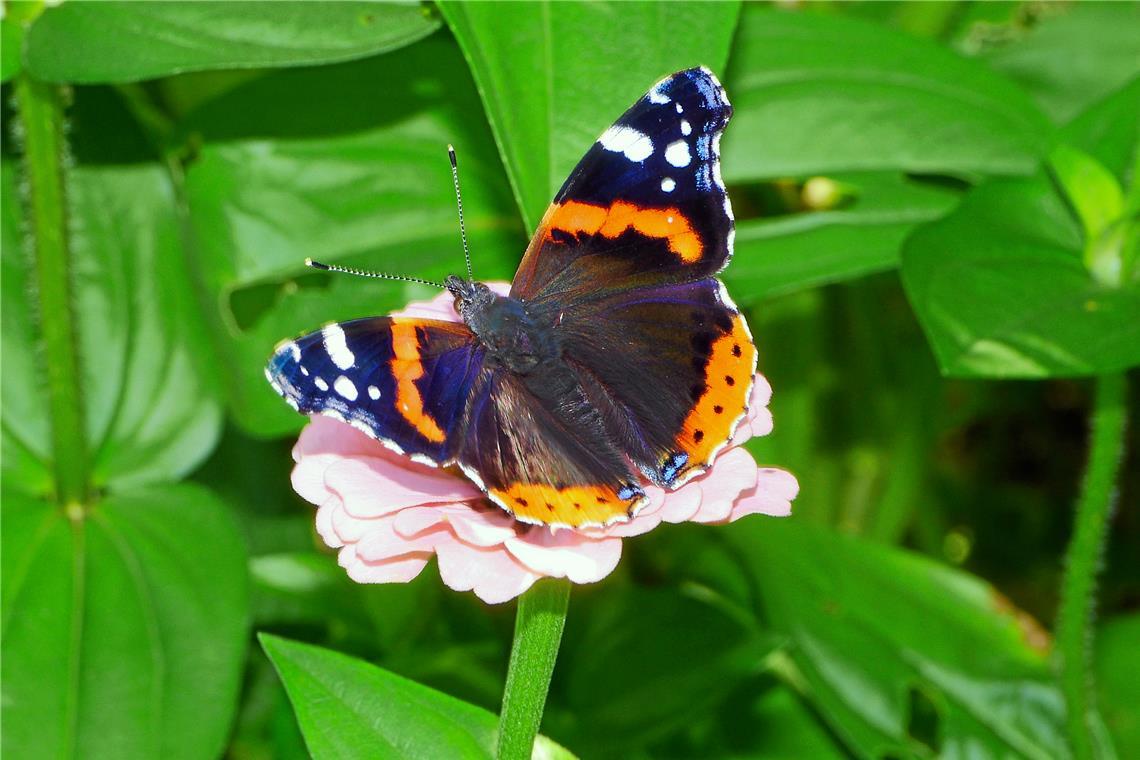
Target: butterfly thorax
x=512 y=337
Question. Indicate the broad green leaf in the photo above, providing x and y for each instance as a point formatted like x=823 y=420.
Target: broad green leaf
x=1001 y=289
x=818 y=247
x=818 y=94
x=130 y=41
x=348 y=708
x=1110 y=132
x=11 y=43
x=1118 y=681
x=345 y=164
x=125 y=629
x=151 y=412
x=652 y=682
x=901 y=655
x=1090 y=188
x=554 y=75
x=1074 y=57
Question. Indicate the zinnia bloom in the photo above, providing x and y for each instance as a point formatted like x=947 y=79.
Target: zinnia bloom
x=388 y=515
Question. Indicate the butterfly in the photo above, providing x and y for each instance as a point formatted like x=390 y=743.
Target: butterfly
x=617 y=359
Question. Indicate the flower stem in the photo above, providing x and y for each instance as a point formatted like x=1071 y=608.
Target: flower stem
x=538 y=632
x=1083 y=561
x=41 y=115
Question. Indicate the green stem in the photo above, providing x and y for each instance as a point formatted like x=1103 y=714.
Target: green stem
x=1083 y=561
x=41 y=114
x=538 y=632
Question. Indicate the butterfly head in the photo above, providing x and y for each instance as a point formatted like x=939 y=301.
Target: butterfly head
x=469 y=295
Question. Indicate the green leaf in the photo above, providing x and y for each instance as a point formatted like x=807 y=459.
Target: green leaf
x=1118 y=680
x=653 y=685
x=346 y=164
x=1090 y=188
x=1001 y=291
x=1109 y=131
x=554 y=75
x=817 y=94
x=348 y=708
x=129 y=41
x=1074 y=57
x=904 y=656
x=151 y=412
x=814 y=248
x=124 y=629
x=11 y=45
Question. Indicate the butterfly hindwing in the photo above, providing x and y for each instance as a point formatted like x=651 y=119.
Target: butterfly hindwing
x=670 y=366
x=646 y=203
x=541 y=451
x=403 y=381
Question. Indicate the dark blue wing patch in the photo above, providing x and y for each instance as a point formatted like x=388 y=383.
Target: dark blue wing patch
x=648 y=196
x=404 y=382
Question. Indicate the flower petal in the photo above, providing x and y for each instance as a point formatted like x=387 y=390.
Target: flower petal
x=381 y=542
x=682 y=504
x=566 y=554
x=398 y=570
x=772 y=495
x=733 y=473
x=370 y=487
x=493 y=574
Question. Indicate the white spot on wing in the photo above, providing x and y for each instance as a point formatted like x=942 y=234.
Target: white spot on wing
x=345 y=387
x=668 y=185
x=686 y=127
x=337 y=347
x=373 y=392
x=294 y=349
x=680 y=109
x=634 y=144
x=656 y=96
x=320 y=383
x=677 y=153
x=304 y=371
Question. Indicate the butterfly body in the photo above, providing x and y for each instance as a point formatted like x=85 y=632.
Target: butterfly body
x=512 y=336
x=616 y=359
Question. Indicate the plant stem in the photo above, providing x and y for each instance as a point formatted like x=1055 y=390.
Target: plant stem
x=1083 y=561
x=41 y=114
x=538 y=632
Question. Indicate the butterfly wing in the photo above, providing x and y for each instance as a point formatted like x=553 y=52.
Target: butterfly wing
x=540 y=450
x=623 y=265
x=671 y=368
x=645 y=205
x=403 y=381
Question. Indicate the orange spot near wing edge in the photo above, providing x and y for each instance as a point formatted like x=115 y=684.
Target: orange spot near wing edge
x=572 y=505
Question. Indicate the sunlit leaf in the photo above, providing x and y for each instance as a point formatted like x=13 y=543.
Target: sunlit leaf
x=553 y=76
x=348 y=708
x=151 y=410
x=124 y=629
x=817 y=247
x=127 y=41
x=1075 y=55
x=817 y=94
x=902 y=655
x=347 y=165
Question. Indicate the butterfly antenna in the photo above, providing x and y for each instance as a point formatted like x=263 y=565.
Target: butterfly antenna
x=363 y=273
x=459 y=204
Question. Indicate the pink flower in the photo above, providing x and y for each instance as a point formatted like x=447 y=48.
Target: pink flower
x=388 y=515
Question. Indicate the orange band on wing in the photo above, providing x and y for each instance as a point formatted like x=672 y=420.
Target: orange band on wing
x=573 y=505
x=667 y=224
x=407 y=368
x=728 y=381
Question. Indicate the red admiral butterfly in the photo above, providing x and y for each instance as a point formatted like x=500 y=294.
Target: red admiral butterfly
x=617 y=354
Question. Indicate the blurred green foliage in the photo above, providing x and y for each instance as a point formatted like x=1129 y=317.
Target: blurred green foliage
x=936 y=202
